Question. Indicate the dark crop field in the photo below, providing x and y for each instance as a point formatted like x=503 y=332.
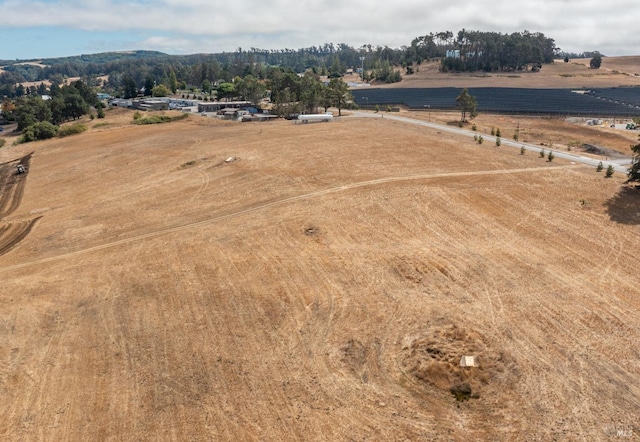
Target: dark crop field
x=595 y=102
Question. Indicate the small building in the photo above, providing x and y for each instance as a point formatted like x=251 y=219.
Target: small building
x=150 y=104
x=467 y=361
x=216 y=106
x=120 y=102
x=230 y=113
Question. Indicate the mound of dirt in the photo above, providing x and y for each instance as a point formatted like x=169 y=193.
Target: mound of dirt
x=602 y=151
x=432 y=359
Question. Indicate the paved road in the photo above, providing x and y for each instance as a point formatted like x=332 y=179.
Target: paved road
x=619 y=165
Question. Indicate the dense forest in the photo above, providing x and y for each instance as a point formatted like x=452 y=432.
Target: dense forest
x=464 y=51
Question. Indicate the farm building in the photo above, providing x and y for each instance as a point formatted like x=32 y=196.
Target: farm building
x=215 y=106
x=150 y=104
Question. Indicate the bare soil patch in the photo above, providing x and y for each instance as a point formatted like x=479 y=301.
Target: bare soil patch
x=321 y=288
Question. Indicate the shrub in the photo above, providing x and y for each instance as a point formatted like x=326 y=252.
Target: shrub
x=498 y=141
x=157 y=119
x=473 y=127
x=542 y=153
x=609 y=172
x=516 y=136
x=475 y=138
x=38 y=131
x=137 y=115
x=461 y=392
x=599 y=167
x=522 y=150
x=498 y=132
x=550 y=156
x=2 y=142
x=71 y=130
x=493 y=131
x=480 y=139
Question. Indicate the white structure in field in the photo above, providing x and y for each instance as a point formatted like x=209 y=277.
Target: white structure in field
x=467 y=361
x=305 y=118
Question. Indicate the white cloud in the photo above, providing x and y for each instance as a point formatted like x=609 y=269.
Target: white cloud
x=576 y=25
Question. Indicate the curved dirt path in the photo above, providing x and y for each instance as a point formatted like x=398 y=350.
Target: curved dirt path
x=12 y=234
x=264 y=206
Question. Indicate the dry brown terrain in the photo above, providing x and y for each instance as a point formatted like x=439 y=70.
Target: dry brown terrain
x=615 y=71
x=321 y=285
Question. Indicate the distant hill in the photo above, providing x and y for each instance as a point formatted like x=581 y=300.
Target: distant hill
x=103 y=57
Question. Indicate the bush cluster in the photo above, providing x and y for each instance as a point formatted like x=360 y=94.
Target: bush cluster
x=77 y=128
x=38 y=131
x=157 y=119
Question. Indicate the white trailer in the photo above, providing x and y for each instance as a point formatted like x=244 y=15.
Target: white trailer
x=305 y=118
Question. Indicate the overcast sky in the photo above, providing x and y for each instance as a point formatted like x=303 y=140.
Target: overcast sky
x=52 y=28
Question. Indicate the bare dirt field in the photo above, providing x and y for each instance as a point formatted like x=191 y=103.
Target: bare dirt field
x=207 y=280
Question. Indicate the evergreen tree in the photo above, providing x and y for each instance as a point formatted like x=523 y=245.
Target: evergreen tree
x=634 y=171
x=149 y=83
x=130 y=87
x=173 y=81
x=467 y=105
x=596 y=61
x=338 y=94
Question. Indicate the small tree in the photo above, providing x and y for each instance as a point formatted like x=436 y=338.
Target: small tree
x=596 y=61
x=551 y=156
x=633 y=173
x=467 y=105
x=160 y=91
x=609 y=172
x=599 y=167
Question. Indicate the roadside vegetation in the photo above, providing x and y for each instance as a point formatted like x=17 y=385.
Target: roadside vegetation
x=157 y=119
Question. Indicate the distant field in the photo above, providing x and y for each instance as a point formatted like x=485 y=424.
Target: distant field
x=614 y=72
x=321 y=284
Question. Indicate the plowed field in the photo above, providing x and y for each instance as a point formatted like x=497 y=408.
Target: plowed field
x=205 y=280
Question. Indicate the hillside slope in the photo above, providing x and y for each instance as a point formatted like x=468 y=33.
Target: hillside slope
x=206 y=280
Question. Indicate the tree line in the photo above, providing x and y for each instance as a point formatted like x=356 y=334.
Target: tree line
x=465 y=51
x=38 y=118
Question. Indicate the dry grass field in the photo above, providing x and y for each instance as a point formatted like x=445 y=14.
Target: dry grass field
x=207 y=280
x=615 y=71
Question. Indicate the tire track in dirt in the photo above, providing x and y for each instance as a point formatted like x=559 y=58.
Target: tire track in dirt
x=11 y=234
x=264 y=206
x=13 y=184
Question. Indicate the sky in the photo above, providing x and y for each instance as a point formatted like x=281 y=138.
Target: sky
x=58 y=28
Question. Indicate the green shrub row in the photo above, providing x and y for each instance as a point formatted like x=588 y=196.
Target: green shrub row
x=77 y=128
x=157 y=119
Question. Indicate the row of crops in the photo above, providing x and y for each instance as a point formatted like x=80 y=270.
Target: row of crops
x=600 y=102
